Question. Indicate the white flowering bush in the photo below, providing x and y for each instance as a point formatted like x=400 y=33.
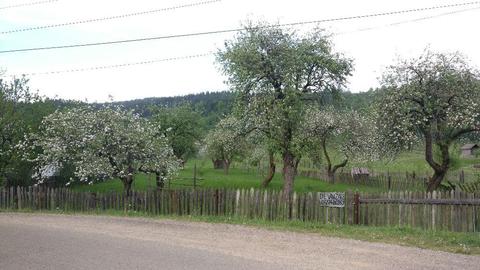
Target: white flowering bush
x=107 y=142
x=226 y=141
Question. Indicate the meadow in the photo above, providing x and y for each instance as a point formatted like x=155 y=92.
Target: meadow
x=243 y=177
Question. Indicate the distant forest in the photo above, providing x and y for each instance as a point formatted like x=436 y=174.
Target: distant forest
x=215 y=105
x=211 y=105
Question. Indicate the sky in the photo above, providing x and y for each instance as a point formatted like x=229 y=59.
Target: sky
x=373 y=43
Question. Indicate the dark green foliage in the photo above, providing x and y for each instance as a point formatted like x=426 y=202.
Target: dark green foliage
x=211 y=105
x=21 y=111
x=358 y=101
x=183 y=126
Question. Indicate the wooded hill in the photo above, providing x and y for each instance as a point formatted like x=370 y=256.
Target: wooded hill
x=215 y=105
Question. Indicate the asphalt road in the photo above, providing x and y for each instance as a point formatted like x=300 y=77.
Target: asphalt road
x=33 y=241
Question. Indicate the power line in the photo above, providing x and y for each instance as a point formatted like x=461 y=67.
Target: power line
x=122 y=16
x=239 y=29
x=409 y=21
x=145 y=62
x=207 y=54
x=103 y=67
x=28 y=4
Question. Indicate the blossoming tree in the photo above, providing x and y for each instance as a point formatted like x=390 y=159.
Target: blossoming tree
x=287 y=70
x=349 y=133
x=107 y=142
x=436 y=98
x=226 y=141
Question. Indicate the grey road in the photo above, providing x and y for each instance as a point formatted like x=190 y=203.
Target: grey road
x=34 y=241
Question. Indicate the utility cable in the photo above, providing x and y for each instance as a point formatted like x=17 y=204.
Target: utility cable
x=116 y=17
x=103 y=67
x=28 y=4
x=236 y=29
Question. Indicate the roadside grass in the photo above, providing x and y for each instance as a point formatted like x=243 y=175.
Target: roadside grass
x=454 y=242
x=238 y=178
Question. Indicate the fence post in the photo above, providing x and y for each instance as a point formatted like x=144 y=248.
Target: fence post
x=195 y=176
x=462 y=177
x=356 y=209
x=19 y=198
x=216 y=202
x=290 y=206
x=389 y=181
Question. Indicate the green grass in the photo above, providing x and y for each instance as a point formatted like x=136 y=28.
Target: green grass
x=411 y=161
x=210 y=178
x=455 y=242
x=415 y=161
x=239 y=178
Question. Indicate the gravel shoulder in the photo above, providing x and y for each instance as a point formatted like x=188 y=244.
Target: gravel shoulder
x=47 y=241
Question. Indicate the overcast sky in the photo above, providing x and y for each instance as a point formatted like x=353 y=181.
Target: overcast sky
x=372 y=50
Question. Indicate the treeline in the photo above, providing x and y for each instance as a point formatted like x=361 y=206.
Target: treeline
x=212 y=106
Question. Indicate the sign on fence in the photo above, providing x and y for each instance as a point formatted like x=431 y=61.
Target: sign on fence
x=332 y=199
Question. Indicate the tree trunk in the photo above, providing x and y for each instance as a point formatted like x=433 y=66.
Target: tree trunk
x=440 y=170
x=226 y=166
x=331 y=176
x=217 y=164
x=127 y=185
x=436 y=180
x=288 y=173
x=271 y=170
x=331 y=170
x=159 y=180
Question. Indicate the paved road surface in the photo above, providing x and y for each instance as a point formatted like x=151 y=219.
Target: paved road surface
x=34 y=241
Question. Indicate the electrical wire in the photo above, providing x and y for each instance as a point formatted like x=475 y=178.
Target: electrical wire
x=408 y=21
x=28 y=4
x=122 y=16
x=103 y=67
x=238 y=29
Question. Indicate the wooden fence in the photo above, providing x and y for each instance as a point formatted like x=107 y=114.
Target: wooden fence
x=453 y=211
x=254 y=204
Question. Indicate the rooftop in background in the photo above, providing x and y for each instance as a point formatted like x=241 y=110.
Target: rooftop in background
x=470 y=146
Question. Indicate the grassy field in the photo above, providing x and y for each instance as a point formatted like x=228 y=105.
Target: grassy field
x=408 y=162
x=237 y=178
x=415 y=161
